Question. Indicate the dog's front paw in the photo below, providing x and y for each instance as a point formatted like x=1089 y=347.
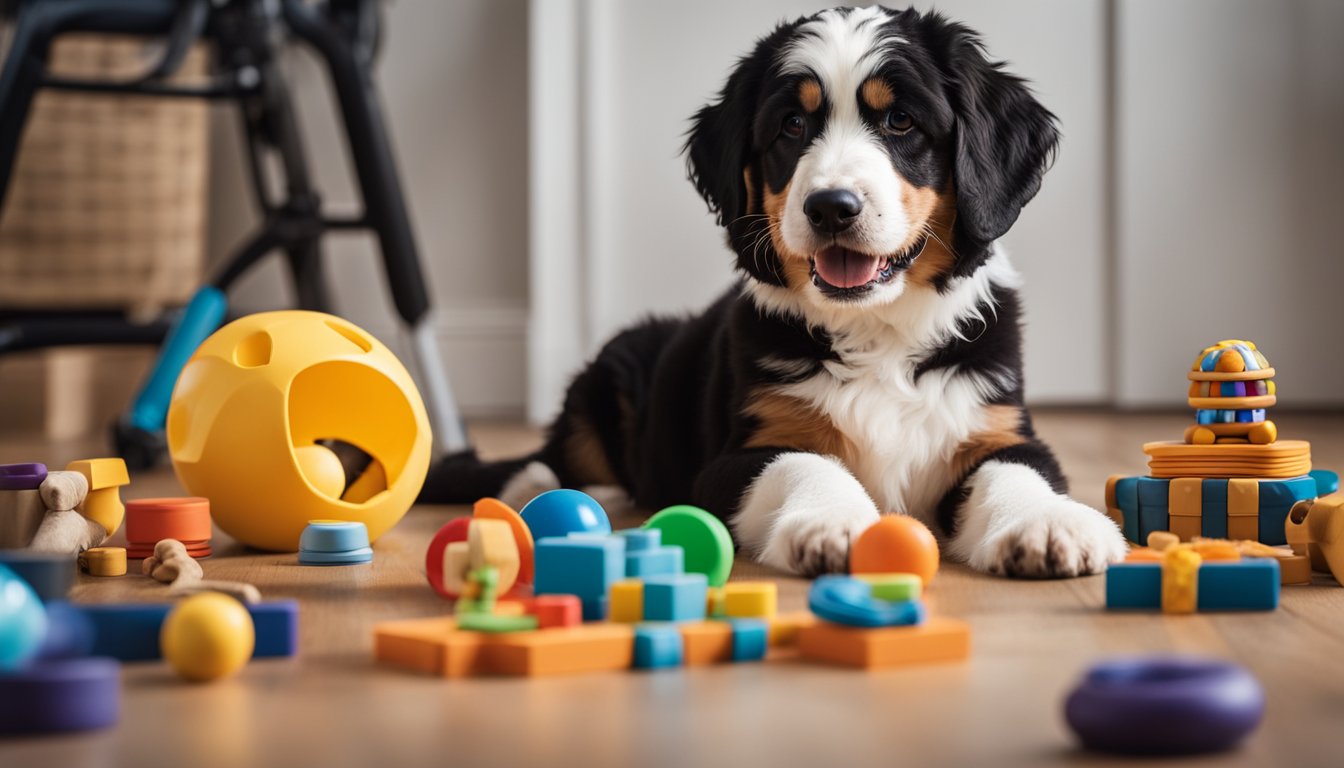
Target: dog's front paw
x=1058 y=539
x=816 y=541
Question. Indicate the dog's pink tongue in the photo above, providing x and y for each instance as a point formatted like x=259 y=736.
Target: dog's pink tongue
x=844 y=268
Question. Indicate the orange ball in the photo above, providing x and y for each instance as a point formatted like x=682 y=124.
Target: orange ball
x=896 y=544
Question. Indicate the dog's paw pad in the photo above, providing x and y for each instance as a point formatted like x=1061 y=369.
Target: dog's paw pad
x=1065 y=539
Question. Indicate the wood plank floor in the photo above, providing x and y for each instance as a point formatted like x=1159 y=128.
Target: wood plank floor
x=332 y=706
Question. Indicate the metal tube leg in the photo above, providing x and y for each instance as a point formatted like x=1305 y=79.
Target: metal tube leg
x=449 y=434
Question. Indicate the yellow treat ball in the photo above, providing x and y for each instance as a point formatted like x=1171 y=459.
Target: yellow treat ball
x=208 y=636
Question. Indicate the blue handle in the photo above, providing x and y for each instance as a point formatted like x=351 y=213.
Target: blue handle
x=202 y=317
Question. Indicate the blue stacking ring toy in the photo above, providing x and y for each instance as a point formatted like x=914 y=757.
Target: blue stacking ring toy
x=1165 y=705
x=334 y=542
x=846 y=600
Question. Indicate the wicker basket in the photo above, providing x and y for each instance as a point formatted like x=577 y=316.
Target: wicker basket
x=106 y=207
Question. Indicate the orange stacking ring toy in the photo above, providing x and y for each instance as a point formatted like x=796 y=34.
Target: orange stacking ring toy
x=149 y=521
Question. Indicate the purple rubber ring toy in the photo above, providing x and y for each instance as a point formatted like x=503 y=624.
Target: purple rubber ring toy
x=22 y=477
x=1165 y=705
x=61 y=695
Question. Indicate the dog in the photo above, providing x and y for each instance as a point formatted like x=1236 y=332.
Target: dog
x=863 y=163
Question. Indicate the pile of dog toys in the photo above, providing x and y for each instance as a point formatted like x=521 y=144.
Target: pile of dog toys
x=552 y=590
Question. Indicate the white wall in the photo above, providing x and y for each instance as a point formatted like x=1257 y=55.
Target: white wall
x=454 y=84
x=1230 y=158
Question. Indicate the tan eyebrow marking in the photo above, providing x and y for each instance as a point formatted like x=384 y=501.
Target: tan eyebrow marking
x=877 y=94
x=809 y=93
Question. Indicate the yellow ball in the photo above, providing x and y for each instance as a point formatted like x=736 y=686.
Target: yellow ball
x=207 y=637
x=254 y=403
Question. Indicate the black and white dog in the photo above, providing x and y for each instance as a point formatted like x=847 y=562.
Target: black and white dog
x=863 y=162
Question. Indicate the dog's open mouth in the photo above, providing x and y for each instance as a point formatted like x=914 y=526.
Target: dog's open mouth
x=844 y=273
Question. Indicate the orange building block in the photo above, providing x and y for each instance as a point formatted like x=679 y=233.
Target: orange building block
x=939 y=639
x=586 y=648
x=434 y=646
x=784 y=627
x=706 y=642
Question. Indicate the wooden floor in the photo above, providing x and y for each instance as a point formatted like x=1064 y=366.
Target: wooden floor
x=332 y=706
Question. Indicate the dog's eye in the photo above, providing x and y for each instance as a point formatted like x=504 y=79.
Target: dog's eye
x=898 y=122
x=792 y=126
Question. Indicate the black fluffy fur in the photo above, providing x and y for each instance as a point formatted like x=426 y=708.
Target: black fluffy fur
x=666 y=398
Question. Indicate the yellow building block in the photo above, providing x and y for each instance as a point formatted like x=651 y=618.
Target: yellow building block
x=103 y=561
x=750 y=599
x=570 y=650
x=1185 y=507
x=434 y=646
x=1180 y=580
x=1243 y=509
x=456 y=565
x=627 y=601
x=938 y=639
x=490 y=543
x=714 y=602
x=103 y=503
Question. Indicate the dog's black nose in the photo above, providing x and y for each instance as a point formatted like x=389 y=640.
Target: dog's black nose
x=832 y=210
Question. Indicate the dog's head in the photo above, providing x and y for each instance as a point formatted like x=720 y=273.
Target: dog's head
x=858 y=151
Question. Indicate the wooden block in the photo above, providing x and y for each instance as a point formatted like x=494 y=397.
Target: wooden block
x=103 y=561
x=1185 y=507
x=1113 y=510
x=21 y=514
x=456 y=564
x=706 y=642
x=1294 y=569
x=554 y=611
x=434 y=646
x=938 y=639
x=1243 y=509
x=490 y=543
x=750 y=599
x=586 y=648
x=1180 y=580
x=627 y=601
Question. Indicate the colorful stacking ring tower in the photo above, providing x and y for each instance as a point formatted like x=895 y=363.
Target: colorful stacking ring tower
x=1231 y=385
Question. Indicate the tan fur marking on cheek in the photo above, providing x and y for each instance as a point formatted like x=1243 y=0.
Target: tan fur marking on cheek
x=797 y=270
x=1001 y=431
x=586 y=456
x=787 y=422
x=930 y=212
x=877 y=94
x=751 y=188
x=809 y=94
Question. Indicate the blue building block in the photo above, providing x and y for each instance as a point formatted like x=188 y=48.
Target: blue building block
x=658 y=646
x=1134 y=586
x=596 y=608
x=640 y=539
x=1327 y=482
x=661 y=561
x=586 y=566
x=1127 y=499
x=1245 y=585
x=750 y=639
x=1153 y=491
x=679 y=597
x=1213 y=508
x=1152 y=506
x=130 y=632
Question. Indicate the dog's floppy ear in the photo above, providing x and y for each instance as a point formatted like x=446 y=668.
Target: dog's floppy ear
x=719 y=143
x=1005 y=140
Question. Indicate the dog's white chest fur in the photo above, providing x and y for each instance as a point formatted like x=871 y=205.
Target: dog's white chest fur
x=906 y=431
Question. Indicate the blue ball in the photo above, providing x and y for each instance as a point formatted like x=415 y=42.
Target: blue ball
x=562 y=512
x=23 y=621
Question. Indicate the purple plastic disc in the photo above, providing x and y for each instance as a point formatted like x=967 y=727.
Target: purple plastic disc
x=1165 y=705
x=22 y=477
x=61 y=695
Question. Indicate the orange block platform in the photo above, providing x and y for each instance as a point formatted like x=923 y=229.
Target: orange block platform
x=938 y=639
